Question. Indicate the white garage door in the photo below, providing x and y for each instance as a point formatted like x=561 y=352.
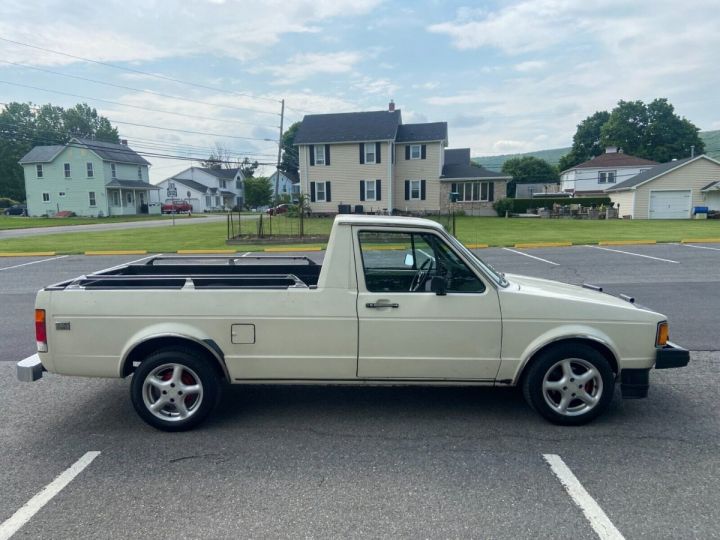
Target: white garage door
x=670 y=204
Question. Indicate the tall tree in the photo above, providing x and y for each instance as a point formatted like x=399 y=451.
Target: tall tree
x=258 y=191
x=289 y=161
x=586 y=141
x=248 y=168
x=528 y=170
x=23 y=126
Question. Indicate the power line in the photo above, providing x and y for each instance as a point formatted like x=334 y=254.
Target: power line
x=131 y=70
x=244 y=109
x=129 y=106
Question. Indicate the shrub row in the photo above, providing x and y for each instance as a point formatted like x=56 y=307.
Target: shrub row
x=521 y=206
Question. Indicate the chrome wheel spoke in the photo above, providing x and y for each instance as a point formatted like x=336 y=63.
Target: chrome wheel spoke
x=554 y=385
x=191 y=389
x=157 y=383
x=177 y=374
x=564 y=402
x=181 y=408
x=567 y=369
x=164 y=392
x=159 y=404
x=579 y=389
x=586 y=377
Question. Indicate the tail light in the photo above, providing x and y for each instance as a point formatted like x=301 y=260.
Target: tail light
x=41 y=330
x=663 y=334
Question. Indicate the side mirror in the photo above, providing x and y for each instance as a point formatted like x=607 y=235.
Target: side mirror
x=438 y=285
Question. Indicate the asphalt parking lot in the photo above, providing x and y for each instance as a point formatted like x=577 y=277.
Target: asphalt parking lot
x=376 y=462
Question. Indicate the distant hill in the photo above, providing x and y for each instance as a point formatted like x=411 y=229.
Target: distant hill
x=553 y=155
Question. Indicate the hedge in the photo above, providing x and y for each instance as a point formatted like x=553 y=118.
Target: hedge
x=521 y=206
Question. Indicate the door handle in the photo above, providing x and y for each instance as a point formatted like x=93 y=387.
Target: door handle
x=381 y=305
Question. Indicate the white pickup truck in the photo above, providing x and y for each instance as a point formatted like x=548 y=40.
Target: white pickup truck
x=396 y=301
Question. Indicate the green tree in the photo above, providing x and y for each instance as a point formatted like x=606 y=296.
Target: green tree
x=258 y=191
x=586 y=141
x=289 y=161
x=248 y=168
x=528 y=170
x=23 y=126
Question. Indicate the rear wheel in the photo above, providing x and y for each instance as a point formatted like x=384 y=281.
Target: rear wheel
x=174 y=389
x=569 y=384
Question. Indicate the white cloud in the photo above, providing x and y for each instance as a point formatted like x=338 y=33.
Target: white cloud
x=530 y=65
x=306 y=65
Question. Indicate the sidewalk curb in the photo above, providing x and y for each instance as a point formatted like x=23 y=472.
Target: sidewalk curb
x=477 y=246
x=117 y=252
x=28 y=254
x=625 y=242
x=700 y=241
x=206 y=251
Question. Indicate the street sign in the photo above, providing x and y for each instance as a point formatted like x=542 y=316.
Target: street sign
x=171 y=193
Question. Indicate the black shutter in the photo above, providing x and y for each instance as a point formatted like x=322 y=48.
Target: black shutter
x=378 y=190
x=312 y=154
x=327 y=192
x=362 y=153
x=453 y=188
x=362 y=190
x=327 y=154
x=423 y=151
x=312 y=191
x=491 y=191
x=407 y=151
x=422 y=190
x=377 y=152
x=407 y=189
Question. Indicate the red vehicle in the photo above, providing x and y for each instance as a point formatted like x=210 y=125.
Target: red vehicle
x=279 y=209
x=177 y=207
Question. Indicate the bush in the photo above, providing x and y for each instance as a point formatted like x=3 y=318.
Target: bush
x=521 y=206
x=502 y=206
x=6 y=202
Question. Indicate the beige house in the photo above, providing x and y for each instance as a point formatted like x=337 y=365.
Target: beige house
x=670 y=190
x=372 y=162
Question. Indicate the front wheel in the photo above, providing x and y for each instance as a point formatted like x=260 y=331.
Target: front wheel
x=569 y=384
x=174 y=389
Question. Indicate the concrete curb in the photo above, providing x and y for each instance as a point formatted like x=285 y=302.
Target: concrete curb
x=477 y=246
x=206 y=251
x=117 y=252
x=625 y=242
x=701 y=241
x=290 y=249
x=28 y=254
x=543 y=245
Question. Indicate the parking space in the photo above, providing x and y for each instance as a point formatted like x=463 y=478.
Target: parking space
x=357 y=462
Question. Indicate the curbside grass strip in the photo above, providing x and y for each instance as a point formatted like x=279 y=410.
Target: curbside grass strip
x=118 y=252
x=291 y=249
x=28 y=254
x=206 y=251
x=625 y=242
x=543 y=245
x=701 y=241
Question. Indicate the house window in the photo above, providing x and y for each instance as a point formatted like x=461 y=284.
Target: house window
x=319 y=155
x=208 y=201
x=217 y=201
x=415 y=190
x=113 y=170
x=369 y=190
x=320 y=191
x=129 y=197
x=39 y=171
x=67 y=170
x=116 y=198
x=90 y=170
x=223 y=184
x=139 y=173
x=91 y=196
x=606 y=177
x=61 y=194
x=238 y=185
x=46 y=197
x=415 y=151
x=369 y=152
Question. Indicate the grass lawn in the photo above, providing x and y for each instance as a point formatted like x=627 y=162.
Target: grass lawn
x=20 y=222
x=492 y=231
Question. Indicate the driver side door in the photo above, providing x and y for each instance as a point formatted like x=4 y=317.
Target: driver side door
x=406 y=331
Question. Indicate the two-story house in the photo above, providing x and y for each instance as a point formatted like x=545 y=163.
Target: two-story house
x=594 y=176
x=285 y=185
x=205 y=189
x=87 y=177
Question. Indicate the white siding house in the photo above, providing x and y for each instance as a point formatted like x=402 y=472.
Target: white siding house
x=602 y=172
x=288 y=184
x=207 y=190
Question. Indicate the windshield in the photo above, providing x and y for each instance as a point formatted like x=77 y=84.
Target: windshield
x=496 y=276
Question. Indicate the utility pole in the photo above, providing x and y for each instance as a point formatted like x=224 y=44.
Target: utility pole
x=277 y=172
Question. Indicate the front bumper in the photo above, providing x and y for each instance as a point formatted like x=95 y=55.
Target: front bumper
x=30 y=369
x=671 y=356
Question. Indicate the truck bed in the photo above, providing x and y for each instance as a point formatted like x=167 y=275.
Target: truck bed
x=203 y=272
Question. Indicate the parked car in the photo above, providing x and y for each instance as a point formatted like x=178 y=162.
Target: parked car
x=279 y=209
x=177 y=207
x=16 y=210
x=396 y=301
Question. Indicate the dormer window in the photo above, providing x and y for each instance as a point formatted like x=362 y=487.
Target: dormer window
x=370 y=153
x=319 y=155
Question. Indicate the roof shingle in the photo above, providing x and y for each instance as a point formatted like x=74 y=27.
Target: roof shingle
x=430 y=131
x=348 y=127
x=613 y=159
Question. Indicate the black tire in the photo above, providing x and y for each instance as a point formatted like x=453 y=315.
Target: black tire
x=550 y=368
x=196 y=371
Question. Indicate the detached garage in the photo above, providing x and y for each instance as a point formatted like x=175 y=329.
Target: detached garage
x=669 y=190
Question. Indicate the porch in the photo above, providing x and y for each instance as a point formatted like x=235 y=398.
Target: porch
x=129 y=198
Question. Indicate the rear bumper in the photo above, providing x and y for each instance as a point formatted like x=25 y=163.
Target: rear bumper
x=671 y=356
x=30 y=369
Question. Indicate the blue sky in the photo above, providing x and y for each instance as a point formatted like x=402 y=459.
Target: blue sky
x=507 y=76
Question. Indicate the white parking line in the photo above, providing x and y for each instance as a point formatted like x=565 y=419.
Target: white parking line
x=599 y=521
x=701 y=247
x=635 y=254
x=532 y=256
x=34 y=505
x=33 y=262
x=245 y=254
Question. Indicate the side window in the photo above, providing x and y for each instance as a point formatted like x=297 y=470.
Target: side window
x=407 y=262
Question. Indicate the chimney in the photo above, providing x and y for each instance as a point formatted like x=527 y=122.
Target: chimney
x=123 y=142
x=391 y=106
x=611 y=150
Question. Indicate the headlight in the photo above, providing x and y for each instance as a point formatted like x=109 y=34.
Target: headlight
x=663 y=333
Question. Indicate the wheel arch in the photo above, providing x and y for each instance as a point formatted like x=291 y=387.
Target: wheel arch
x=142 y=348
x=601 y=346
